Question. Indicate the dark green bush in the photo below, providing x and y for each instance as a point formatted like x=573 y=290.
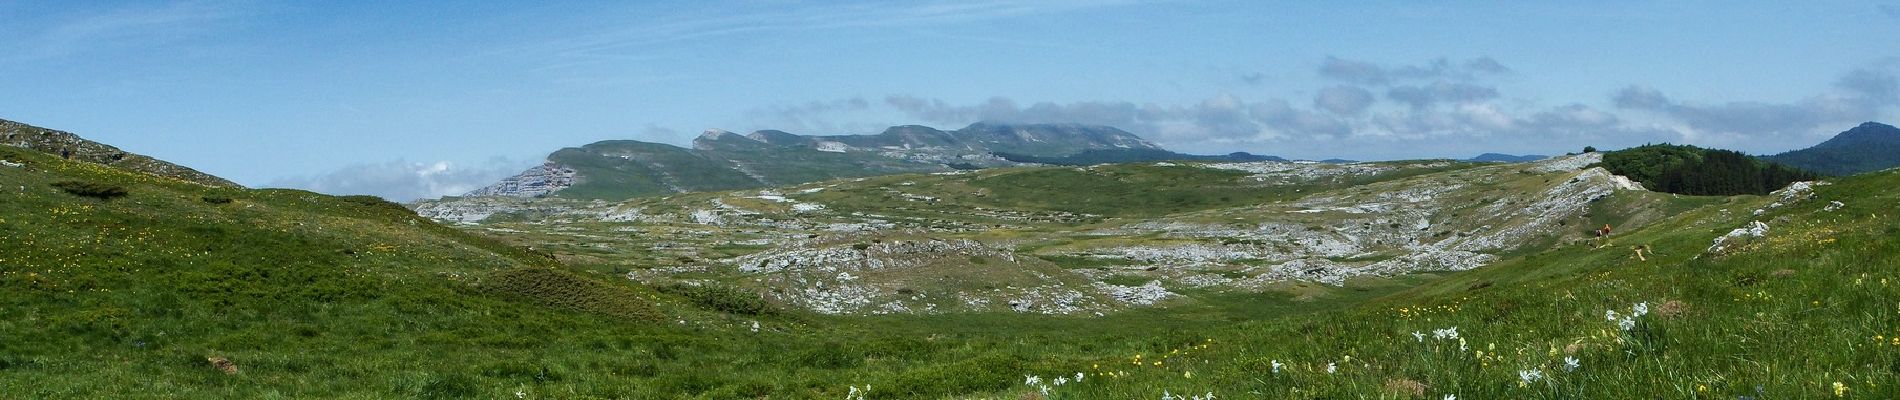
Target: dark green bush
x=722 y=298
x=95 y=190
x=217 y=199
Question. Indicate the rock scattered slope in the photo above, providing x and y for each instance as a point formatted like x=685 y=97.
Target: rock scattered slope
x=973 y=241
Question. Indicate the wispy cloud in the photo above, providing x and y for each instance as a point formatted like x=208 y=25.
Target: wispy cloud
x=1860 y=95
x=130 y=25
x=810 y=117
x=768 y=18
x=1369 y=73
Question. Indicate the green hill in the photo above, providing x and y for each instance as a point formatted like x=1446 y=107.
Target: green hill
x=1871 y=146
x=310 y=295
x=72 y=147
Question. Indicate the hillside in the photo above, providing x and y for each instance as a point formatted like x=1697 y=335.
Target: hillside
x=1869 y=147
x=130 y=296
x=66 y=144
x=720 y=160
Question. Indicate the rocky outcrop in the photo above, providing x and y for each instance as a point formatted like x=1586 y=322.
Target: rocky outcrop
x=72 y=147
x=1737 y=237
x=538 y=181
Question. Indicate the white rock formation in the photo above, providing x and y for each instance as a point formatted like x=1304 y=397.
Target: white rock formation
x=540 y=180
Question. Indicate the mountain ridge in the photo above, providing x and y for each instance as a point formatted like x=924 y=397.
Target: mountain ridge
x=724 y=160
x=1871 y=146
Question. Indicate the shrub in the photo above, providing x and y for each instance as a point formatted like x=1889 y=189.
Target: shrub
x=96 y=190
x=722 y=298
x=217 y=199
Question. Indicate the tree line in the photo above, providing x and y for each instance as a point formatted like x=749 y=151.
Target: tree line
x=1697 y=171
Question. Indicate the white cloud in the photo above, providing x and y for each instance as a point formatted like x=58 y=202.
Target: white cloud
x=1442 y=108
x=406 y=181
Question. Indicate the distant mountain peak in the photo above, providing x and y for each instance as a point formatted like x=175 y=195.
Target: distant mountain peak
x=1871 y=146
x=714 y=134
x=1866 y=131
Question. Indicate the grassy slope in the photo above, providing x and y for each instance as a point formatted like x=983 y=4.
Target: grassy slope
x=309 y=294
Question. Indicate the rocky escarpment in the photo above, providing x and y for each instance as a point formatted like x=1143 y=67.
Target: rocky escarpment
x=538 y=181
x=72 y=147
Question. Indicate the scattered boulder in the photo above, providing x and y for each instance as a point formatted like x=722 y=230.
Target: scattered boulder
x=1725 y=243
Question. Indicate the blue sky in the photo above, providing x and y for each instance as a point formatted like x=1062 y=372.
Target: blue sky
x=411 y=99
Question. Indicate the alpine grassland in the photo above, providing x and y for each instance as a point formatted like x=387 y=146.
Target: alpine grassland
x=116 y=284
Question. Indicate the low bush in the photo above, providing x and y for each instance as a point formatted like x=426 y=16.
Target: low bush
x=95 y=190
x=722 y=298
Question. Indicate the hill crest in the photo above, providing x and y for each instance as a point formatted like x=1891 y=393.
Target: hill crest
x=72 y=147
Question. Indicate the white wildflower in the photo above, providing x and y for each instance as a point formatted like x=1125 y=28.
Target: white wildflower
x=521 y=394
x=1419 y=336
x=1640 y=309
x=1447 y=333
x=1044 y=389
x=1626 y=324
x=1330 y=367
x=1451 y=397
x=1570 y=363
x=1530 y=376
x=1276 y=366
x=1032 y=380
x=1166 y=396
x=1609 y=315
x=1078 y=377
x=1061 y=380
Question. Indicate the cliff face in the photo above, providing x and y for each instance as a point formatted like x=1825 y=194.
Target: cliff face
x=70 y=146
x=537 y=181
